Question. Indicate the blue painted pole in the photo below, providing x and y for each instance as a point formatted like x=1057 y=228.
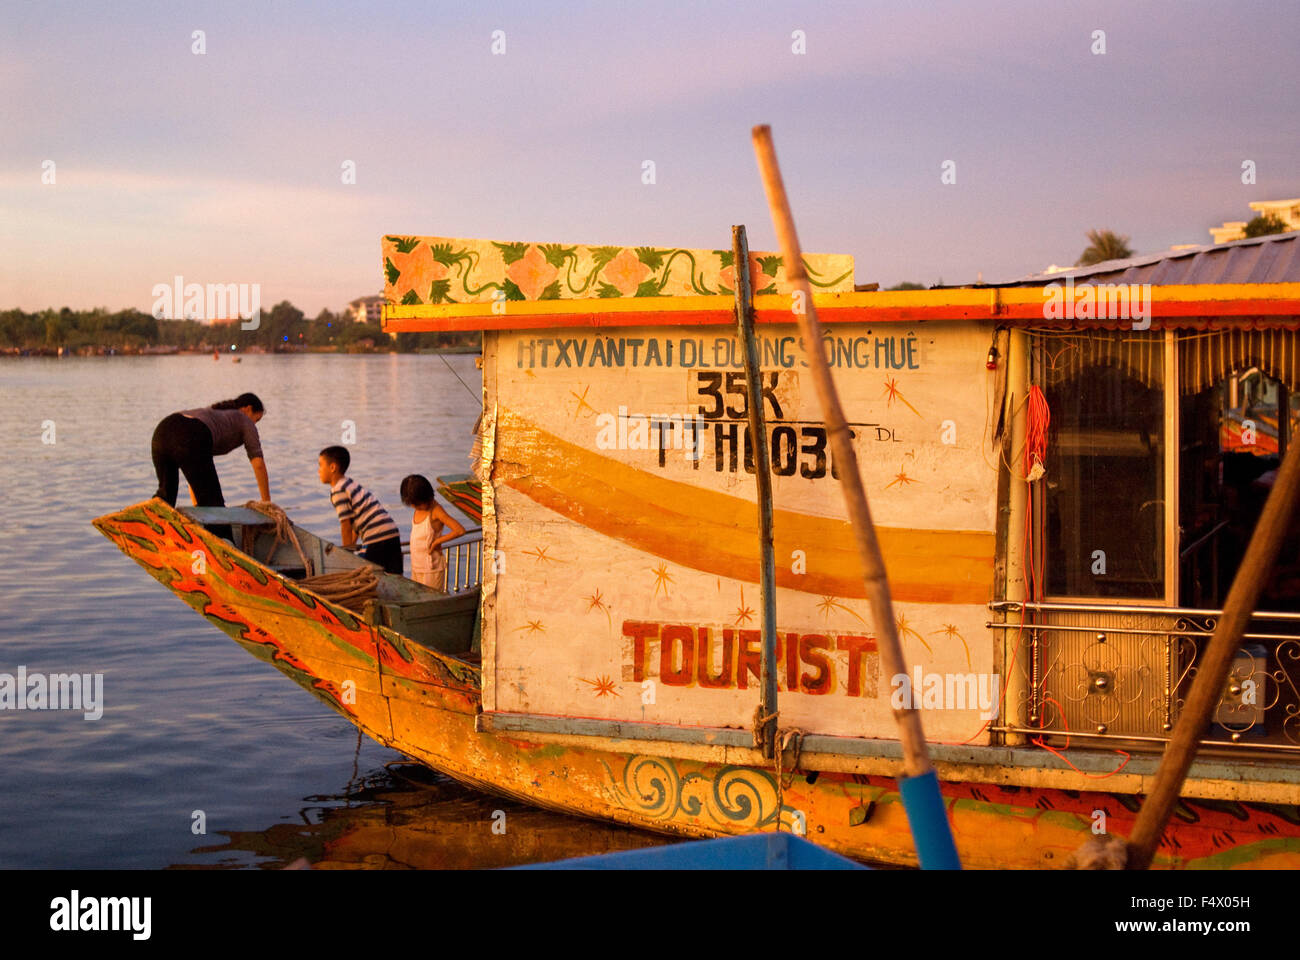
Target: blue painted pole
x=928 y=819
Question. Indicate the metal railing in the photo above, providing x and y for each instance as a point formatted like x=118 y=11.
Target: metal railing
x=464 y=562
x=1112 y=673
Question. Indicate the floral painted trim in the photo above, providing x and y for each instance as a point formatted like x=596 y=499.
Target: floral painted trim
x=442 y=270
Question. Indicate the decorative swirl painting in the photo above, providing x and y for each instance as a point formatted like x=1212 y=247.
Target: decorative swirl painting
x=432 y=270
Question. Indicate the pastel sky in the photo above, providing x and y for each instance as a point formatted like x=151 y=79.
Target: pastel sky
x=227 y=166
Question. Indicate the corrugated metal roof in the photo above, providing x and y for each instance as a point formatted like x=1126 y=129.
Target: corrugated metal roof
x=1271 y=259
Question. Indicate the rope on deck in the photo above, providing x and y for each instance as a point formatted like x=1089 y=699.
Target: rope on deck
x=283 y=532
x=347 y=588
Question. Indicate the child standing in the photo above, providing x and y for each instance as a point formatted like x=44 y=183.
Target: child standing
x=361 y=518
x=428 y=563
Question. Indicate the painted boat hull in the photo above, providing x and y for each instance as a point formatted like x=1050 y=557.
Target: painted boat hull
x=424 y=703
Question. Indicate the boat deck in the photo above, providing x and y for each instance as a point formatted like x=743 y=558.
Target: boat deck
x=445 y=622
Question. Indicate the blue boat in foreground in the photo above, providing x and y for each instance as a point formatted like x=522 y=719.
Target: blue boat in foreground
x=755 y=851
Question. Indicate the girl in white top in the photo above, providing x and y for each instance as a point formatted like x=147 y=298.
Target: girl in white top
x=432 y=527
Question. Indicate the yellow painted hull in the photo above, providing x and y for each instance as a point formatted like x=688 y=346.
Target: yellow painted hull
x=425 y=704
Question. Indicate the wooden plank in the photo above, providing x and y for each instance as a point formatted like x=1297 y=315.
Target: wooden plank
x=241 y=515
x=615 y=729
x=1208 y=777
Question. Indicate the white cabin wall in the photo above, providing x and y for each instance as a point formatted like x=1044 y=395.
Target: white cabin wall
x=595 y=541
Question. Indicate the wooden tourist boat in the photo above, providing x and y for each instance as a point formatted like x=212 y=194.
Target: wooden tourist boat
x=1074 y=568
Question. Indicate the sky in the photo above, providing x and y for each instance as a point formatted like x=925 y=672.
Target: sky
x=227 y=166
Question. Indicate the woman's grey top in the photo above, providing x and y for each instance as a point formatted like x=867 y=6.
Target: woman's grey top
x=229 y=429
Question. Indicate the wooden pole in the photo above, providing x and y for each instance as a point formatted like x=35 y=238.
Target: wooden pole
x=916 y=758
x=763 y=476
x=1216 y=664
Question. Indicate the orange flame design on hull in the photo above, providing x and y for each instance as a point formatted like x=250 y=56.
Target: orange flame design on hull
x=238 y=595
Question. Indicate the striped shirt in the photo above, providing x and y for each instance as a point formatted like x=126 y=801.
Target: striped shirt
x=370 y=521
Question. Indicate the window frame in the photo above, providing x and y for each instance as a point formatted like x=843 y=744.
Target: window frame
x=1171 y=445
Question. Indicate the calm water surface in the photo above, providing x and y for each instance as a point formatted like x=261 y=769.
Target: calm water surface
x=191 y=722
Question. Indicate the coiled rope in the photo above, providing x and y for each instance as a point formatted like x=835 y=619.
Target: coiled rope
x=347 y=588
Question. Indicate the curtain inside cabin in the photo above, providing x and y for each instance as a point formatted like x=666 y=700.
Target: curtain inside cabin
x=1205 y=358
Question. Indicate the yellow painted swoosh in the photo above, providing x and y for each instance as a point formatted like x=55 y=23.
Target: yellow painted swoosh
x=718 y=534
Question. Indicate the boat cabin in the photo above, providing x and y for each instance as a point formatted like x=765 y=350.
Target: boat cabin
x=1064 y=472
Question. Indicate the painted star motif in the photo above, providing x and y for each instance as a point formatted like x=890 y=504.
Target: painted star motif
x=596 y=601
x=828 y=604
x=902 y=479
x=950 y=631
x=905 y=631
x=662 y=578
x=892 y=393
x=582 y=401
x=532 y=626
x=743 y=613
x=539 y=553
x=604 y=686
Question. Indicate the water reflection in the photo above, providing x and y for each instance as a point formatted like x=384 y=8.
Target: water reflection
x=407 y=817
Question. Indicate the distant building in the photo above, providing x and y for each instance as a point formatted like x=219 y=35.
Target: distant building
x=1288 y=211
x=367 y=309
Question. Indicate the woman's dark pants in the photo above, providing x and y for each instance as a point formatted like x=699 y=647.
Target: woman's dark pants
x=183 y=444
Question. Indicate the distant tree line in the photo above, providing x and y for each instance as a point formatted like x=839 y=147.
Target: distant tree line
x=283 y=327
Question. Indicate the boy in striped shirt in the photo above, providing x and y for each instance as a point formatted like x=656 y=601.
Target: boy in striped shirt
x=361 y=518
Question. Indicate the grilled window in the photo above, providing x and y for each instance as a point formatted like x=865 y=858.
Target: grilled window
x=1103 y=509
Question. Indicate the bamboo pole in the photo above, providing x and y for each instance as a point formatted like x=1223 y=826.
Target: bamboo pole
x=763 y=476
x=931 y=831
x=916 y=759
x=1212 y=673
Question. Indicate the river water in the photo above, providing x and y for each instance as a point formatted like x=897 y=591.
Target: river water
x=204 y=756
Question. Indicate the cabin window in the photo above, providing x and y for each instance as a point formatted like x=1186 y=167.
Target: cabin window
x=1160 y=453
x=1102 y=509
x=1238 y=415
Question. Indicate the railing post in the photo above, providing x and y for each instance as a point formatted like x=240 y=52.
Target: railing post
x=1035 y=685
x=1171 y=676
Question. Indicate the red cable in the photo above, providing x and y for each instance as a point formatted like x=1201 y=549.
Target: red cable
x=1039 y=417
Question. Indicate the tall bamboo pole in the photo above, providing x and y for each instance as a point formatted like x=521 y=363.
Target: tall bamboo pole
x=763 y=476
x=1212 y=673
x=919 y=788
x=916 y=758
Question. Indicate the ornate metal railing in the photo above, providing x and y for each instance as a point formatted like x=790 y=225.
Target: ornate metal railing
x=464 y=562
x=1108 y=672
